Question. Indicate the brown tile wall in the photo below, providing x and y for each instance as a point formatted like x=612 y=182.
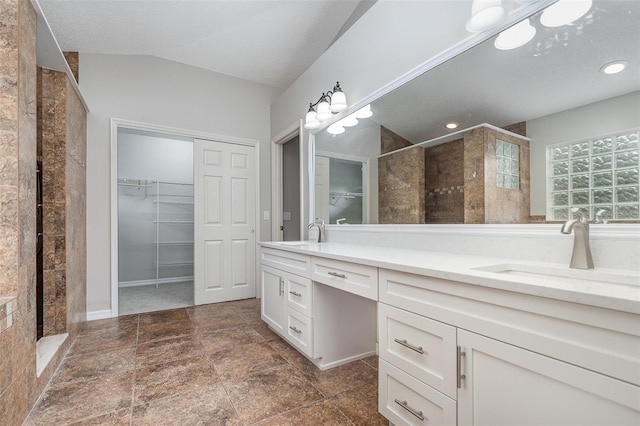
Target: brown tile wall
x=19 y=386
x=401 y=194
x=444 y=183
x=474 y=179
x=52 y=132
x=73 y=59
x=17 y=205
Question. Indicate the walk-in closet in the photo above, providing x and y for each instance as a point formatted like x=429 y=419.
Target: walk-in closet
x=155 y=221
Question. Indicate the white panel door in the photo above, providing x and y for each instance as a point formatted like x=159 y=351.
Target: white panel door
x=225 y=215
x=321 y=172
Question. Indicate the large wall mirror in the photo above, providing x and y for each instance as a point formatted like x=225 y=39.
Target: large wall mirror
x=541 y=130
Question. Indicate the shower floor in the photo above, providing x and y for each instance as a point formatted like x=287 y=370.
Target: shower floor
x=148 y=298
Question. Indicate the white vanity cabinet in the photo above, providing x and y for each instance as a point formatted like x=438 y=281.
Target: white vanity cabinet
x=453 y=353
x=323 y=314
x=287 y=297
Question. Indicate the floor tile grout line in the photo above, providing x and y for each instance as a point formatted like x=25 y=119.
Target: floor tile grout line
x=224 y=387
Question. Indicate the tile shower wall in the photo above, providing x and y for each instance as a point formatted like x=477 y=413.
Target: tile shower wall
x=444 y=183
x=19 y=386
x=61 y=131
x=503 y=205
x=52 y=135
x=401 y=196
x=484 y=202
x=17 y=206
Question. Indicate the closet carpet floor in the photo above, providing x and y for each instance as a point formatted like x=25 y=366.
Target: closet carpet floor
x=214 y=364
x=149 y=298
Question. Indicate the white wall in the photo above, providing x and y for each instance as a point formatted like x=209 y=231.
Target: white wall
x=389 y=41
x=392 y=38
x=156 y=91
x=597 y=119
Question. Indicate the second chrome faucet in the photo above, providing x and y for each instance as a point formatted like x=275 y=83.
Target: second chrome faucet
x=581 y=257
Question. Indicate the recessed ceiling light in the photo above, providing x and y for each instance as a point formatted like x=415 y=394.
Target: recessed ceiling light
x=614 y=67
x=452 y=125
x=564 y=12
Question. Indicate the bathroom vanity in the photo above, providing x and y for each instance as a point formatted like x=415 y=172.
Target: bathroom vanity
x=463 y=339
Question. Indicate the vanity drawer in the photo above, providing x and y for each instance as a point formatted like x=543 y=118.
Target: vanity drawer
x=424 y=348
x=295 y=263
x=299 y=332
x=299 y=294
x=354 y=278
x=405 y=400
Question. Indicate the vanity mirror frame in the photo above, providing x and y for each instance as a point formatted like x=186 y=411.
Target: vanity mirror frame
x=434 y=62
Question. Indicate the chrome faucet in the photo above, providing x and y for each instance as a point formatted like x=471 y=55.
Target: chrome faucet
x=581 y=257
x=316 y=229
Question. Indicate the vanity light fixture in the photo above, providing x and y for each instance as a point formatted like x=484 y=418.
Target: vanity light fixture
x=364 y=112
x=614 y=67
x=350 y=120
x=329 y=103
x=485 y=14
x=452 y=125
x=336 y=129
x=564 y=12
x=515 y=36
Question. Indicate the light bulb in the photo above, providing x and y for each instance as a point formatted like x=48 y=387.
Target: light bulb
x=311 y=121
x=564 y=12
x=349 y=121
x=516 y=36
x=324 y=113
x=335 y=129
x=338 y=102
x=364 y=112
x=485 y=14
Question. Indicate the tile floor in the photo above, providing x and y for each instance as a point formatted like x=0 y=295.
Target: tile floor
x=207 y=365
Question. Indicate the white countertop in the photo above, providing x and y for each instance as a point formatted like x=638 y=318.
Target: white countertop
x=589 y=287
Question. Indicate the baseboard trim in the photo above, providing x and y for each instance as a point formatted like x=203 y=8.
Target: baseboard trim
x=139 y=283
x=98 y=315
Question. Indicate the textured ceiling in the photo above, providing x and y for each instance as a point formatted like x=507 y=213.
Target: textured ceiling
x=266 y=41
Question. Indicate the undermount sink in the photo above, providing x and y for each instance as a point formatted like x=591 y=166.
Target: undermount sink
x=562 y=274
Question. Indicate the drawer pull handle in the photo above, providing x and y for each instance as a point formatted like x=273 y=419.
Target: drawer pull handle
x=335 y=274
x=409 y=345
x=461 y=377
x=295 y=293
x=404 y=405
x=295 y=330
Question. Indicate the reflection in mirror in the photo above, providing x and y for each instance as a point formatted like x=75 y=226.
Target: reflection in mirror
x=547 y=96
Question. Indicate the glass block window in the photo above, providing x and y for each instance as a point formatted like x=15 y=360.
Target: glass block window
x=508 y=164
x=598 y=175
